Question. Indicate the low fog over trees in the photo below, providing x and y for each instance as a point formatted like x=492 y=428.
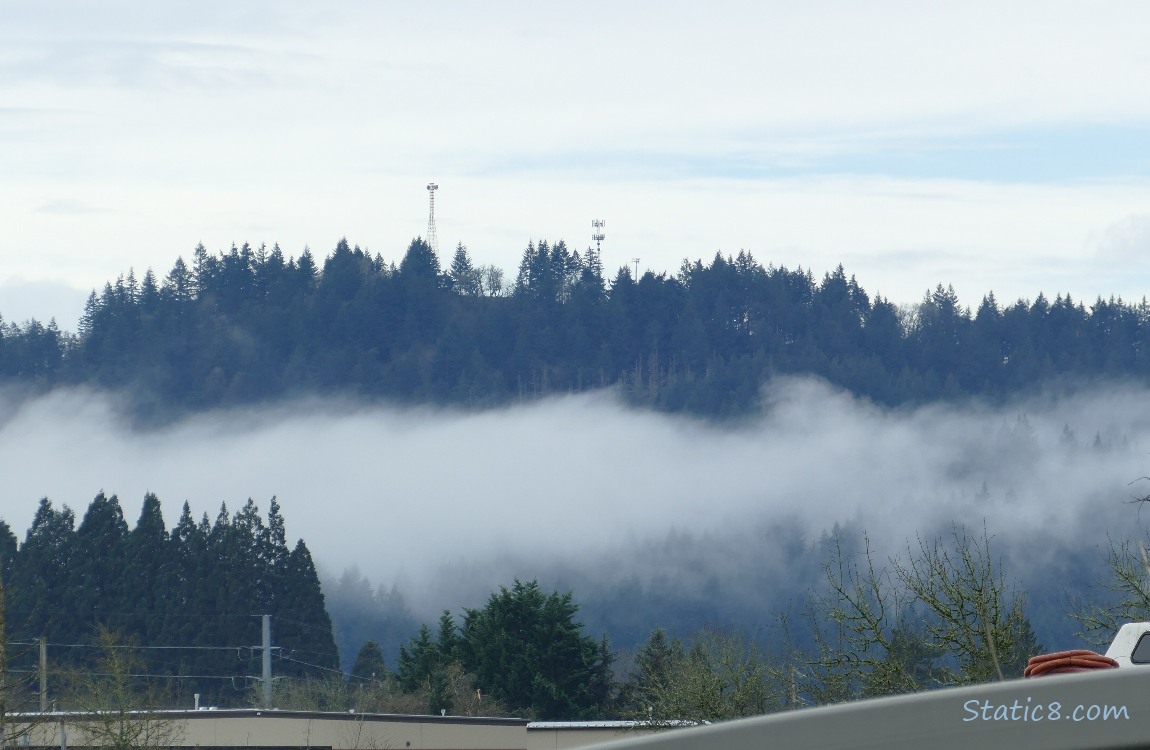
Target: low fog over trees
x=252 y=325
x=176 y=611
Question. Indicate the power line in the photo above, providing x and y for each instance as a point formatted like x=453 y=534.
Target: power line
x=146 y=648
x=315 y=666
x=240 y=651
x=166 y=676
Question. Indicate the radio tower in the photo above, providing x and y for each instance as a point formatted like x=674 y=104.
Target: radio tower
x=432 y=240
x=595 y=257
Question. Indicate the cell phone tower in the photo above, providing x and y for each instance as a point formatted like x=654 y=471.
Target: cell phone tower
x=597 y=234
x=432 y=240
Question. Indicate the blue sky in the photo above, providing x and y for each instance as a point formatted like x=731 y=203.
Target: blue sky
x=1043 y=154
x=995 y=148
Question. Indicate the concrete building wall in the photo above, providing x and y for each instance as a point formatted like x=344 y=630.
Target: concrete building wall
x=281 y=729
x=560 y=735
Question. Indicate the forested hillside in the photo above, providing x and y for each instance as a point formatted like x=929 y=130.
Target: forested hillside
x=188 y=601
x=178 y=610
x=250 y=325
x=253 y=325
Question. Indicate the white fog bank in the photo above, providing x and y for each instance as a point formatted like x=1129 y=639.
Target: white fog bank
x=407 y=494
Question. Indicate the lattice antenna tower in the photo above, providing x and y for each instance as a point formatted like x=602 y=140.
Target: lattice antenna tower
x=432 y=240
x=597 y=234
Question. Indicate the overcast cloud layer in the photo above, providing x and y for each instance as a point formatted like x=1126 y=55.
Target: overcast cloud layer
x=995 y=147
x=576 y=481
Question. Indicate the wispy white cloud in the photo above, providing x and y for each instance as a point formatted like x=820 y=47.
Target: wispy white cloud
x=1125 y=241
x=66 y=206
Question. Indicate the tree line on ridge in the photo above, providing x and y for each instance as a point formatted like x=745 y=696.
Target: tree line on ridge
x=251 y=324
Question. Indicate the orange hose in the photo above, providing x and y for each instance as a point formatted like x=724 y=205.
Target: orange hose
x=1062 y=662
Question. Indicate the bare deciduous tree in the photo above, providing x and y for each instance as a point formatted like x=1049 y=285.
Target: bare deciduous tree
x=976 y=615
x=119 y=705
x=943 y=615
x=861 y=633
x=1128 y=593
x=719 y=676
x=16 y=694
x=383 y=695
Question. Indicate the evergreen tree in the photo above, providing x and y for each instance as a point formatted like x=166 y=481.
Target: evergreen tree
x=303 y=625
x=243 y=545
x=8 y=551
x=464 y=277
x=654 y=664
x=360 y=613
x=147 y=568
x=306 y=271
x=419 y=262
x=273 y=554
x=40 y=601
x=87 y=319
x=149 y=292
x=527 y=650
x=417 y=661
x=369 y=664
x=179 y=284
x=448 y=643
x=718 y=677
x=204 y=270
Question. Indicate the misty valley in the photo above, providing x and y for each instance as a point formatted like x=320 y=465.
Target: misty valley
x=656 y=484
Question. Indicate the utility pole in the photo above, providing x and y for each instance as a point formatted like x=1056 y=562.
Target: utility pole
x=43 y=674
x=3 y=671
x=267 y=670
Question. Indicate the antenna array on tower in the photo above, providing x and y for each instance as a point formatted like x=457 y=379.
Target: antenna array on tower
x=432 y=240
